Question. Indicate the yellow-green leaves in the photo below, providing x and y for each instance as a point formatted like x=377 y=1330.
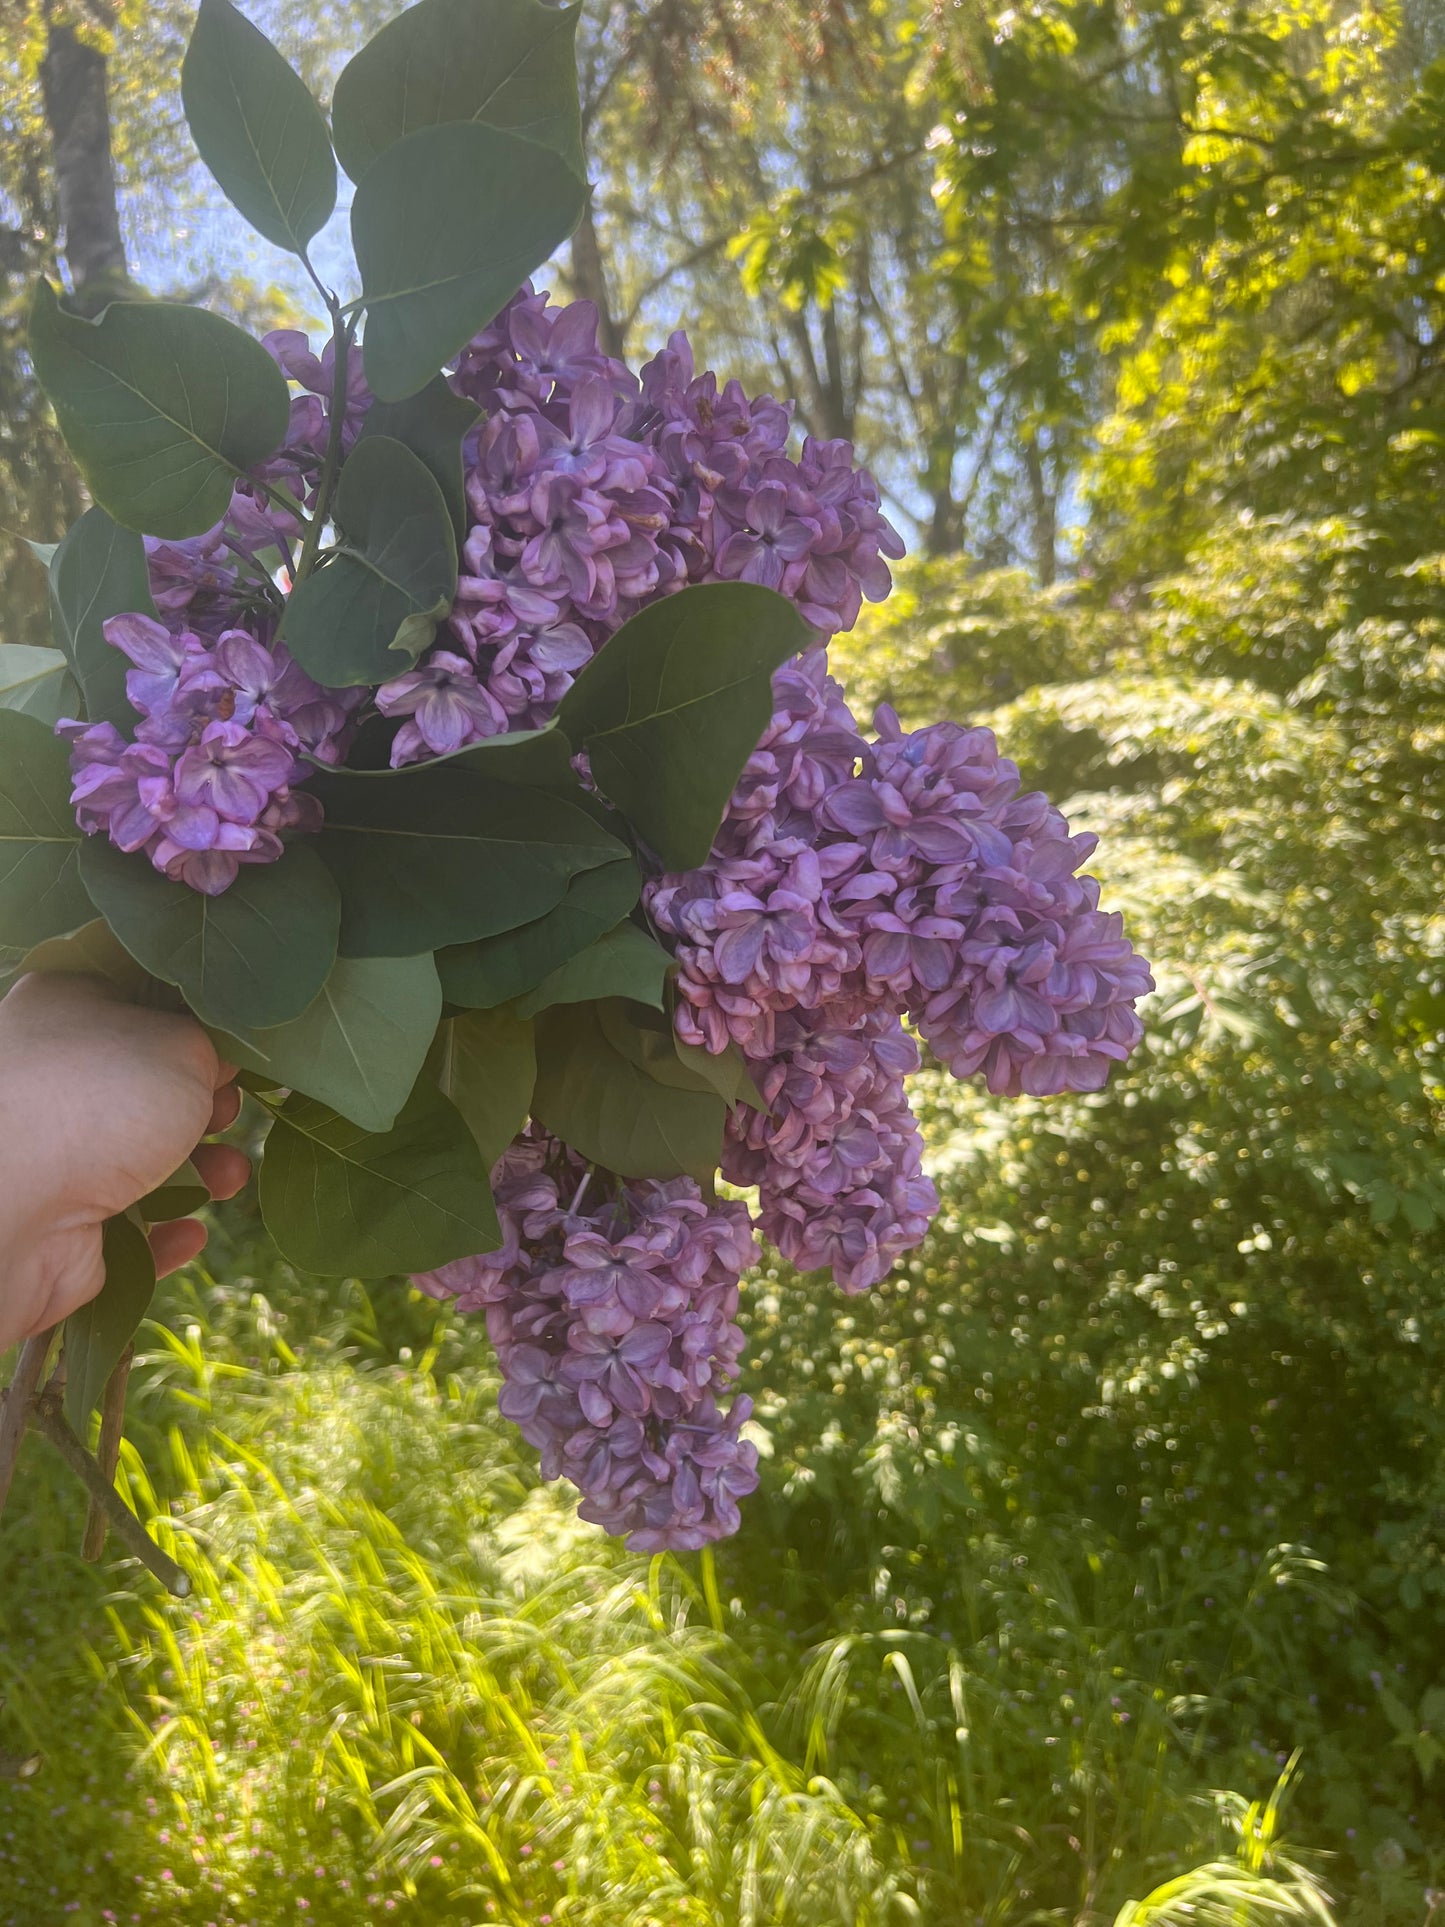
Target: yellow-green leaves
x=257 y=128
x=162 y=407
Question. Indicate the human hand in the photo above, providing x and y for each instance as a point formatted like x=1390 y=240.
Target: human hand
x=100 y=1101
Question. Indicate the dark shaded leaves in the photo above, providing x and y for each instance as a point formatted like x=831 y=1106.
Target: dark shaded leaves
x=97 y=1334
x=348 y=1203
x=98 y=570
x=41 y=894
x=670 y=709
x=499 y=968
x=162 y=407
x=593 y=1092
x=485 y=1061
x=253 y=957
x=373 y=608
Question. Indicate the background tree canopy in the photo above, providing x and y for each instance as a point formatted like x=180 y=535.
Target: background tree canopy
x=1133 y=1485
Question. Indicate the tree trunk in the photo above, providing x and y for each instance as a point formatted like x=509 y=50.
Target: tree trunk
x=1045 y=516
x=589 y=280
x=73 y=86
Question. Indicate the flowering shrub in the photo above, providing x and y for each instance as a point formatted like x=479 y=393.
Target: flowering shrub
x=461 y=747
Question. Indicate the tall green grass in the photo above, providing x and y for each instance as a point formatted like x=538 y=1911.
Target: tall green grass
x=410 y=1686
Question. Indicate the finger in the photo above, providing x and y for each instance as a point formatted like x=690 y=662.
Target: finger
x=223 y=1169
x=175 y=1244
x=225 y=1110
x=225 y=1071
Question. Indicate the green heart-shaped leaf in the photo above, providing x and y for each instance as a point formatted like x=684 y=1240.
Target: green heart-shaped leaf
x=252 y=957
x=671 y=708
x=359 y=1046
x=447 y=224
x=480 y=975
x=442 y=854
x=97 y=1334
x=41 y=894
x=347 y=1203
x=162 y=407
x=372 y=609
x=595 y=1097
x=510 y=63
x=624 y=962
x=98 y=571
x=486 y=1062
x=93 y=951
x=257 y=127
x=432 y=424
x=38 y=683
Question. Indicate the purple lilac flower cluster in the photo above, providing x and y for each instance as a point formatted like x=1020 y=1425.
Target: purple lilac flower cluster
x=615 y=1328
x=209 y=781
x=591 y=492
x=852 y=882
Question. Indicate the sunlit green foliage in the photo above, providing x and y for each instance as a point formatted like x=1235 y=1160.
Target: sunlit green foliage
x=409 y=1681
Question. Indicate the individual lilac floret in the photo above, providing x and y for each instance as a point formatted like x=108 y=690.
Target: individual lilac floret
x=615 y=1327
x=224 y=728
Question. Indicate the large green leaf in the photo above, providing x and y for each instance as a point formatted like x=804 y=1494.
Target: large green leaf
x=97 y=1334
x=359 y=1045
x=480 y=975
x=646 y=1037
x=252 y=957
x=347 y=1203
x=671 y=708
x=593 y=1095
x=37 y=682
x=41 y=894
x=162 y=407
x=93 y=951
x=510 y=63
x=446 y=224
x=486 y=1062
x=372 y=609
x=624 y=962
x=443 y=854
x=432 y=424
x=257 y=127
x=98 y=571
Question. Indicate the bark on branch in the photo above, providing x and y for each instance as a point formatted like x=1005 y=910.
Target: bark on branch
x=77 y=112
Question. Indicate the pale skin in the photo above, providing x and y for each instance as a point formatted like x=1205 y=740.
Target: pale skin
x=100 y=1102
